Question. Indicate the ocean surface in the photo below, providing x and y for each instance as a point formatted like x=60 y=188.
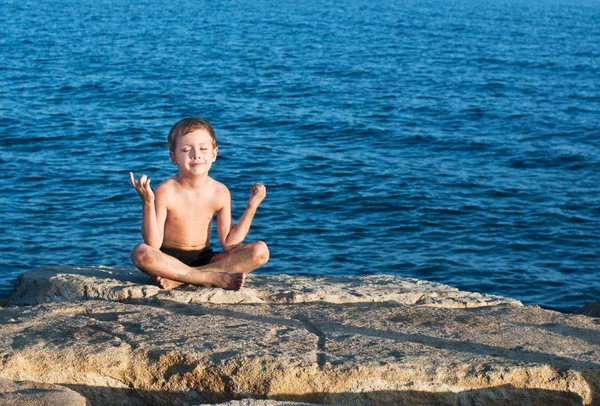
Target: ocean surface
x=454 y=141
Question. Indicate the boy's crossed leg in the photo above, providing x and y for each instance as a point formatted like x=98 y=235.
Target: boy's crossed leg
x=226 y=270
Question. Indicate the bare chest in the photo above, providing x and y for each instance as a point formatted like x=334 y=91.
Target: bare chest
x=191 y=212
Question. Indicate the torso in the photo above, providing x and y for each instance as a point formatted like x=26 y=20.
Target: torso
x=189 y=215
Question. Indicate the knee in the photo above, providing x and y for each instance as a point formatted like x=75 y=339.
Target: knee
x=260 y=253
x=139 y=255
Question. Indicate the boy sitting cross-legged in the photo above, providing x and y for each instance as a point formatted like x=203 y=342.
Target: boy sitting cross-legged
x=176 y=218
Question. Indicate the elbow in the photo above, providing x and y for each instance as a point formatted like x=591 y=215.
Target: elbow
x=154 y=242
x=228 y=245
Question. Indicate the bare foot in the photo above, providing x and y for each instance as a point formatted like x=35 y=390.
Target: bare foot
x=224 y=280
x=167 y=284
x=229 y=281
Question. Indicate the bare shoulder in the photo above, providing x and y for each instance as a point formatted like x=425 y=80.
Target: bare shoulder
x=220 y=191
x=167 y=188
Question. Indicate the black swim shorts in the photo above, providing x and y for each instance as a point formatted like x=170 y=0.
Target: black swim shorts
x=191 y=258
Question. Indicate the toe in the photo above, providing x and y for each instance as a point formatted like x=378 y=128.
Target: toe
x=242 y=280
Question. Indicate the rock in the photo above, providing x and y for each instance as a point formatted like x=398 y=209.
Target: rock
x=38 y=394
x=260 y=402
x=51 y=284
x=163 y=352
x=590 y=309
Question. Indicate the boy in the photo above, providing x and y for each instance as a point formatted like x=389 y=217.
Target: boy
x=177 y=216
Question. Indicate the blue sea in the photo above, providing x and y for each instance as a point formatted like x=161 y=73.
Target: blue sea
x=454 y=141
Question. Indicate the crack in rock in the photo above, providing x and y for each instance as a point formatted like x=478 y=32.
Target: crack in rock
x=321 y=339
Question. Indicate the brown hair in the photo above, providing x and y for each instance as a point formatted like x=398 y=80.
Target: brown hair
x=188 y=125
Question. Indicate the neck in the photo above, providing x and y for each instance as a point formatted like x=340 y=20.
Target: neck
x=193 y=182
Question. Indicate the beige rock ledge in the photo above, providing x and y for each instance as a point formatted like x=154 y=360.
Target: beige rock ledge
x=38 y=394
x=163 y=352
x=51 y=284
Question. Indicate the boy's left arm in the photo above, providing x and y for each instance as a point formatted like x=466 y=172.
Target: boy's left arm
x=231 y=236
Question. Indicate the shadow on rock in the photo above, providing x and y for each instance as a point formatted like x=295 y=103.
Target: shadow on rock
x=495 y=396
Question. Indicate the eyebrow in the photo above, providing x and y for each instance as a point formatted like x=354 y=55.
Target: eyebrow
x=200 y=143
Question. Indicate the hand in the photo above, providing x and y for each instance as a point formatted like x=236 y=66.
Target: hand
x=142 y=186
x=258 y=192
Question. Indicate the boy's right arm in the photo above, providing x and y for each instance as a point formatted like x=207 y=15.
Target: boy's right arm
x=154 y=211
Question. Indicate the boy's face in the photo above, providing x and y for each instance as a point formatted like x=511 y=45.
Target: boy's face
x=194 y=152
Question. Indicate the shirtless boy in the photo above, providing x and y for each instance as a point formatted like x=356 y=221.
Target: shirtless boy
x=176 y=218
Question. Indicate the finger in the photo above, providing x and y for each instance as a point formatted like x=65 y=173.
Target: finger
x=142 y=180
x=147 y=184
x=131 y=179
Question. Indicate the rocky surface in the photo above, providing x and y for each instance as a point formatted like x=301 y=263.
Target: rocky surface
x=51 y=284
x=38 y=394
x=261 y=402
x=350 y=347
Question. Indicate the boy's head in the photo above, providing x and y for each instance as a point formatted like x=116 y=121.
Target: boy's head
x=186 y=126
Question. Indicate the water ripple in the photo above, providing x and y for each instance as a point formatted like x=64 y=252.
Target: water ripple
x=455 y=142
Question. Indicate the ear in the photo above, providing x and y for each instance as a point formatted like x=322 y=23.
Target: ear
x=172 y=155
x=215 y=151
